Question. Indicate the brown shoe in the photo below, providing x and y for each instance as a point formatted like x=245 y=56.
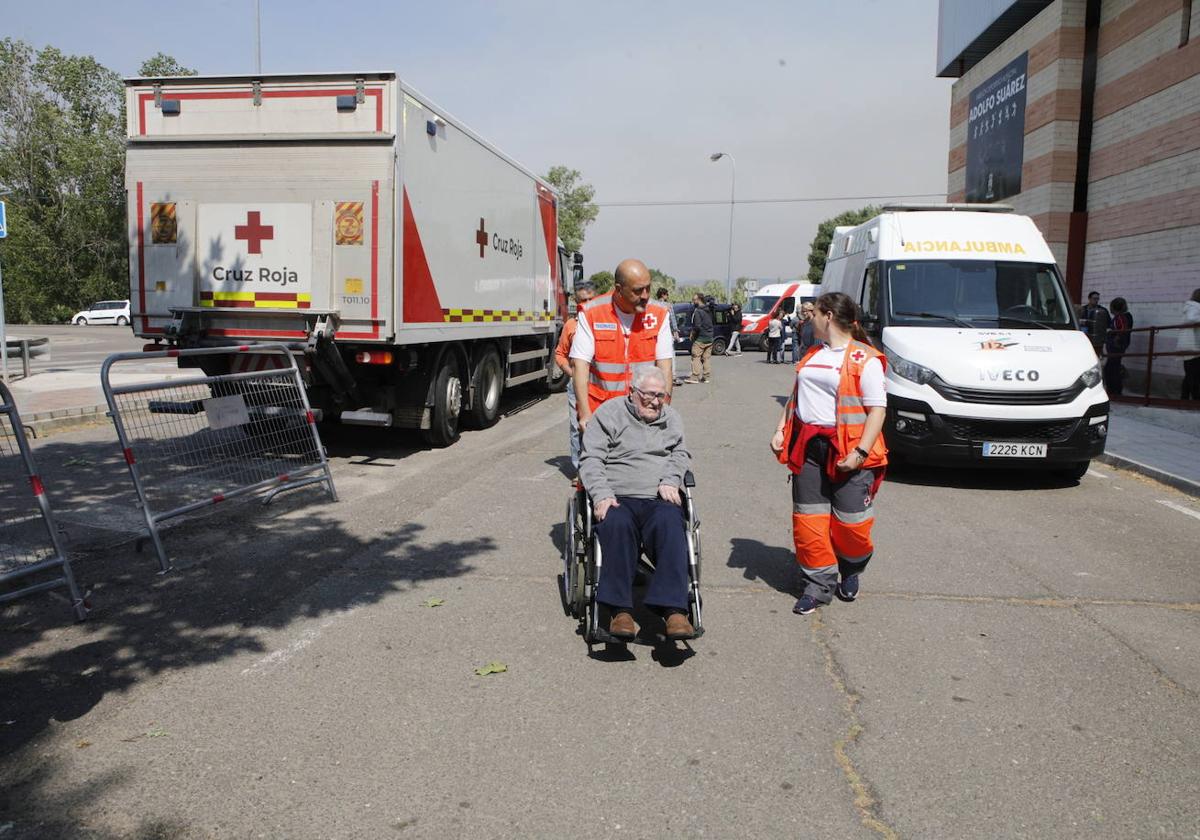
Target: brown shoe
x=622 y=626
x=679 y=628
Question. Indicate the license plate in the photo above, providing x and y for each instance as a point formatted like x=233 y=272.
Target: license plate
x=1014 y=450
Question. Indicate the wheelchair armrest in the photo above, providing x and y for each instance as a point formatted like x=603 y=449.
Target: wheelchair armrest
x=689 y=480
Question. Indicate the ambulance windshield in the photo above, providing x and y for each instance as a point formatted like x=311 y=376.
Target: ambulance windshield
x=951 y=293
x=760 y=304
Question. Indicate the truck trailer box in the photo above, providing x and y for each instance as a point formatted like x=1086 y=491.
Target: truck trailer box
x=346 y=212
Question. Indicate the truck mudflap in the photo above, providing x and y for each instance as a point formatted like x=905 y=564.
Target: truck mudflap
x=915 y=433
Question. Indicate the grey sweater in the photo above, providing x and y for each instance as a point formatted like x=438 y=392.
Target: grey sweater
x=623 y=455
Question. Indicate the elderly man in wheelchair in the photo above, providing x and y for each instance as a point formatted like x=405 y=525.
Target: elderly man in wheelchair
x=634 y=468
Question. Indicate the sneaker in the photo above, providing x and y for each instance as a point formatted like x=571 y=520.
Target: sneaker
x=805 y=605
x=705 y=380
x=847 y=588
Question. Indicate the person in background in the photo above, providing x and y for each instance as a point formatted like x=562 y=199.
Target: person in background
x=663 y=296
x=774 y=340
x=1115 y=345
x=804 y=335
x=1189 y=341
x=831 y=438
x=703 y=334
x=583 y=293
x=1094 y=320
x=734 y=347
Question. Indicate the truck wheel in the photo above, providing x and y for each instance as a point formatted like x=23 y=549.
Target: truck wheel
x=719 y=347
x=447 y=404
x=487 y=384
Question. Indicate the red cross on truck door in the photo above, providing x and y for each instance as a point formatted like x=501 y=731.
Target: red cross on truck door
x=255 y=256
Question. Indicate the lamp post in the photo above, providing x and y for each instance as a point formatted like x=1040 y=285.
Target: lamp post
x=714 y=157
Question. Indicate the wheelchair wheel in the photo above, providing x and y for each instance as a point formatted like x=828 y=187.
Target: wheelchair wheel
x=574 y=557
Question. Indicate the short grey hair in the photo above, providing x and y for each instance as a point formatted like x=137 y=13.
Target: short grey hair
x=585 y=286
x=643 y=375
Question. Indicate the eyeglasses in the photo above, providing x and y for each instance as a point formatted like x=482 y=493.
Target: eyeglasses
x=651 y=395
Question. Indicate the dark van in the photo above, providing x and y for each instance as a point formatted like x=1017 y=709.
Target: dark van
x=723 y=326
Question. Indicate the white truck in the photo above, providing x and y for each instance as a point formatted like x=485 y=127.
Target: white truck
x=415 y=267
x=986 y=363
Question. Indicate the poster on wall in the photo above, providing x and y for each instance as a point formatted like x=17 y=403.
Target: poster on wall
x=996 y=134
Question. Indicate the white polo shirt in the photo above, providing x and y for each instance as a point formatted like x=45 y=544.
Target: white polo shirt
x=816 y=398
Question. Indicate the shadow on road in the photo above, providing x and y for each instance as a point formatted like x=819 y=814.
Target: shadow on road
x=773 y=565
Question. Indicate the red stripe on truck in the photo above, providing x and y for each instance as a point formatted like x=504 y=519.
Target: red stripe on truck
x=421 y=303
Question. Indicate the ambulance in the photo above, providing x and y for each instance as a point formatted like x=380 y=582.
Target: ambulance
x=414 y=269
x=775 y=299
x=986 y=363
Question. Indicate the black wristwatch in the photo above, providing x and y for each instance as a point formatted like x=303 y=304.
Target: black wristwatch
x=861 y=452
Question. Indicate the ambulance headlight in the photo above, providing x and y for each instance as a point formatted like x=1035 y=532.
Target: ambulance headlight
x=911 y=371
x=1091 y=376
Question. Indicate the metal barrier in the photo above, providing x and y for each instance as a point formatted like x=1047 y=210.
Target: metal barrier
x=1150 y=355
x=29 y=540
x=197 y=441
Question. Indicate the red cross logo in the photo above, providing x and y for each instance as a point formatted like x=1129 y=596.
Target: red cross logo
x=857 y=356
x=649 y=320
x=254 y=232
x=481 y=238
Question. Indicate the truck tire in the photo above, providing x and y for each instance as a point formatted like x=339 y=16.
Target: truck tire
x=447 y=404
x=487 y=384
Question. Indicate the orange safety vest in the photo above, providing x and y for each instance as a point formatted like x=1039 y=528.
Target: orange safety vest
x=615 y=358
x=851 y=412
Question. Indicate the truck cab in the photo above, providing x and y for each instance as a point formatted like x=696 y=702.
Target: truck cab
x=986 y=365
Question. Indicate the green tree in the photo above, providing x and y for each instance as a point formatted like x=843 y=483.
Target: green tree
x=820 y=244
x=62 y=157
x=161 y=64
x=740 y=295
x=661 y=280
x=576 y=210
x=603 y=281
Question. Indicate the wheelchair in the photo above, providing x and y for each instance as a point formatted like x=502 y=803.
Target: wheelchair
x=583 y=564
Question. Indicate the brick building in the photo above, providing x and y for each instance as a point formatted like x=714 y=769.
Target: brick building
x=1085 y=115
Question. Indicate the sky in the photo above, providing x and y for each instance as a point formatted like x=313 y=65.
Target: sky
x=834 y=99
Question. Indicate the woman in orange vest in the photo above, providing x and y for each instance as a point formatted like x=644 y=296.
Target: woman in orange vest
x=830 y=437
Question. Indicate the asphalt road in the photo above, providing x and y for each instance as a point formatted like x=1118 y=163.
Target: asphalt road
x=1021 y=663
x=75 y=348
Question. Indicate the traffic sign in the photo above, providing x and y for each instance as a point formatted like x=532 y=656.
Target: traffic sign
x=3 y=222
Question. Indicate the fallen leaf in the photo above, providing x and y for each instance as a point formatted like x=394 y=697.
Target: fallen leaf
x=157 y=732
x=433 y=602
x=82 y=745
x=491 y=668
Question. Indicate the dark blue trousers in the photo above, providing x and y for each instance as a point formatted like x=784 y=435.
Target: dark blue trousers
x=658 y=525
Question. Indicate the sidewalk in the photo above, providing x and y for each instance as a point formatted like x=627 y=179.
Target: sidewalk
x=1162 y=443
x=51 y=402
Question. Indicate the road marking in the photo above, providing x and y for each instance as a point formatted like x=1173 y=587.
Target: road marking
x=1097 y=474
x=278 y=657
x=1180 y=508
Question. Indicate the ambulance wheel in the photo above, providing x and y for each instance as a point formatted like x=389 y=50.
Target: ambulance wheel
x=1073 y=472
x=447 y=405
x=487 y=384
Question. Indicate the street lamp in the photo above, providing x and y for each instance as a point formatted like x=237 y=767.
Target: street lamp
x=714 y=157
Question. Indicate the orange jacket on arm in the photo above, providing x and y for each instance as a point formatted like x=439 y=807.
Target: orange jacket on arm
x=562 y=352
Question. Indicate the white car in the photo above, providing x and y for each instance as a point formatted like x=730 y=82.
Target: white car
x=104 y=312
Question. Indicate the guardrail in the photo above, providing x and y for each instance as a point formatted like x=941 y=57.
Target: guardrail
x=31 y=554
x=195 y=442
x=26 y=346
x=1150 y=355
